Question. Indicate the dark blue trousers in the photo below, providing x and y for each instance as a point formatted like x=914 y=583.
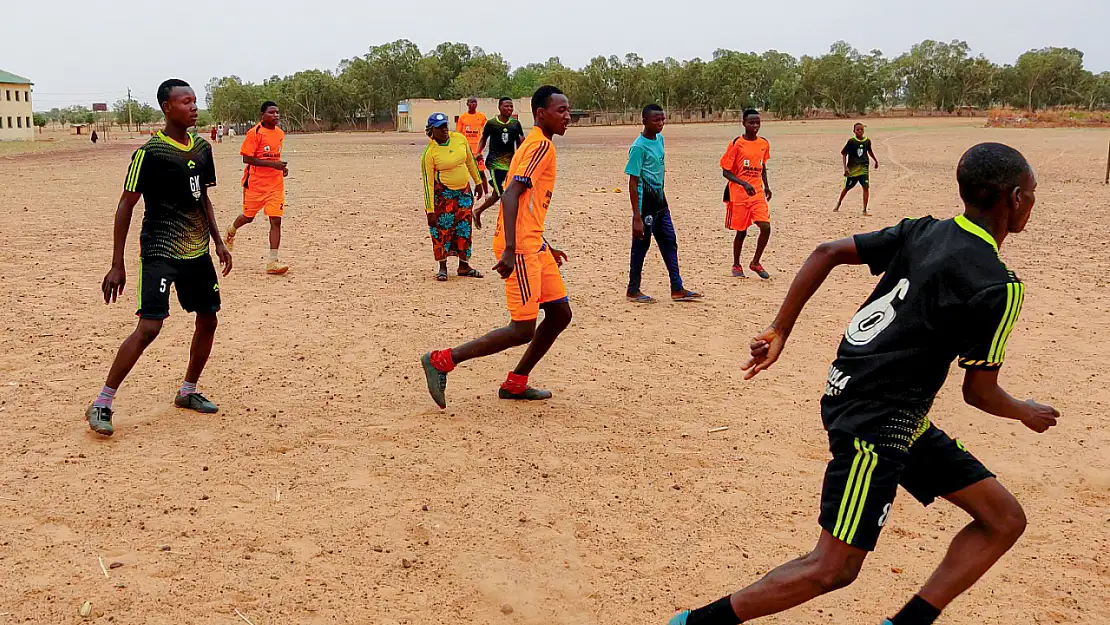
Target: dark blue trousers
x=662 y=228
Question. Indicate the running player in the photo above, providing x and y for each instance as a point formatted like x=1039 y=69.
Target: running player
x=504 y=135
x=172 y=173
x=264 y=181
x=744 y=165
x=944 y=294
x=528 y=264
x=856 y=165
x=470 y=125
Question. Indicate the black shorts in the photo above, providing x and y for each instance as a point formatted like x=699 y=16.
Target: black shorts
x=851 y=181
x=195 y=280
x=499 y=177
x=862 y=479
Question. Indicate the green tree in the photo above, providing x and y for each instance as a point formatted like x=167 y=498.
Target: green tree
x=40 y=120
x=1047 y=77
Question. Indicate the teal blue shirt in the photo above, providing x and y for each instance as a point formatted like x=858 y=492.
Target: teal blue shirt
x=646 y=162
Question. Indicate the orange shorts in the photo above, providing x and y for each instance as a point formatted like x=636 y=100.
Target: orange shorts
x=272 y=203
x=535 y=282
x=741 y=215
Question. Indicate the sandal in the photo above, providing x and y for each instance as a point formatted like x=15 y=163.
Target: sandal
x=640 y=298
x=470 y=273
x=686 y=295
x=441 y=276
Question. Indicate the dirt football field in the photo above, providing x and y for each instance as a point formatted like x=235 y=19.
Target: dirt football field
x=329 y=488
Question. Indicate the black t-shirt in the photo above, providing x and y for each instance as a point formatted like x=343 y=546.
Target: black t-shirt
x=502 y=139
x=944 y=294
x=857 y=150
x=174 y=180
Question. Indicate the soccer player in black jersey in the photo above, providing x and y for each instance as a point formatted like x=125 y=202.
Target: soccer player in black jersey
x=856 y=165
x=172 y=173
x=504 y=135
x=944 y=294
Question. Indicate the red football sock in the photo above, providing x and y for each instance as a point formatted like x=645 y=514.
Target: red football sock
x=515 y=384
x=441 y=359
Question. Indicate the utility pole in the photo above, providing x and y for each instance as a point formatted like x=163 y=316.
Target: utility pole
x=129 y=109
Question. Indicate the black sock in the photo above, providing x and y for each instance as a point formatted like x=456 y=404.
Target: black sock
x=917 y=612
x=717 y=613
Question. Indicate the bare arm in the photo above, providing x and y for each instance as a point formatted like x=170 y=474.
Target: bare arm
x=254 y=161
x=510 y=203
x=114 y=281
x=767 y=347
x=731 y=177
x=214 y=232
x=766 y=183
x=873 y=157
x=982 y=391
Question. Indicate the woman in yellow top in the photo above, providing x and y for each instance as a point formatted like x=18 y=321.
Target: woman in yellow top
x=449 y=166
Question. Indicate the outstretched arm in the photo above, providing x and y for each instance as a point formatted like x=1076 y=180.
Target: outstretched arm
x=767 y=347
x=982 y=391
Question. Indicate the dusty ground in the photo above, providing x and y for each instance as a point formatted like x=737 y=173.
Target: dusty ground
x=610 y=504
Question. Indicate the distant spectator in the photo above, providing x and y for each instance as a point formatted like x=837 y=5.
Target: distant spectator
x=220 y=131
x=94 y=137
x=213 y=134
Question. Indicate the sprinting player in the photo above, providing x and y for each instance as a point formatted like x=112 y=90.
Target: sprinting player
x=172 y=173
x=744 y=165
x=651 y=214
x=856 y=165
x=944 y=294
x=528 y=264
x=470 y=125
x=504 y=135
x=264 y=182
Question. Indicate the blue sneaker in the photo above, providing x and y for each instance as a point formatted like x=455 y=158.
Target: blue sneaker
x=680 y=618
x=886 y=621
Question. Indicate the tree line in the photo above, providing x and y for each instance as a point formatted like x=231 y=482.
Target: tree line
x=931 y=76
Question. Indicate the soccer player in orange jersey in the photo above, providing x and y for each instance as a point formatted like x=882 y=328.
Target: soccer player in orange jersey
x=470 y=125
x=264 y=182
x=744 y=165
x=528 y=264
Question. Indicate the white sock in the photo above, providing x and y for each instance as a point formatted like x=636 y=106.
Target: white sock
x=273 y=256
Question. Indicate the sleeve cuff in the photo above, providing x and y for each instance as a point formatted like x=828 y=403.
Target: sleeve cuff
x=978 y=364
x=524 y=180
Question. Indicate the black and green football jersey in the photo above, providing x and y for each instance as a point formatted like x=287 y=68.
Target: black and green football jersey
x=174 y=180
x=857 y=151
x=502 y=138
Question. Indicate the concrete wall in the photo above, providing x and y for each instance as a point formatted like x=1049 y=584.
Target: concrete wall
x=419 y=111
x=15 y=115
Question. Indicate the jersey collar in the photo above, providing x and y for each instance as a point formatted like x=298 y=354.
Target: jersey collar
x=977 y=230
x=185 y=148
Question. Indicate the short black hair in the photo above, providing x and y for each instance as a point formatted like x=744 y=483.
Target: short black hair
x=542 y=96
x=858 y=124
x=503 y=100
x=166 y=87
x=267 y=104
x=989 y=171
x=652 y=108
x=749 y=112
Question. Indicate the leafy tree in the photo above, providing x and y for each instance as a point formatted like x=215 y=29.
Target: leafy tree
x=40 y=120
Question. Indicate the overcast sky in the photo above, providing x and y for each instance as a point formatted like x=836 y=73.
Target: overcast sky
x=78 y=53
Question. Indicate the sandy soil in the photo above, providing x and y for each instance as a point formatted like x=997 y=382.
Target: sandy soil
x=330 y=490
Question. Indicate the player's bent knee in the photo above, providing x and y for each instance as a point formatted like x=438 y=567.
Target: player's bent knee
x=1009 y=522
x=148 y=330
x=275 y=221
x=832 y=574
x=522 y=332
